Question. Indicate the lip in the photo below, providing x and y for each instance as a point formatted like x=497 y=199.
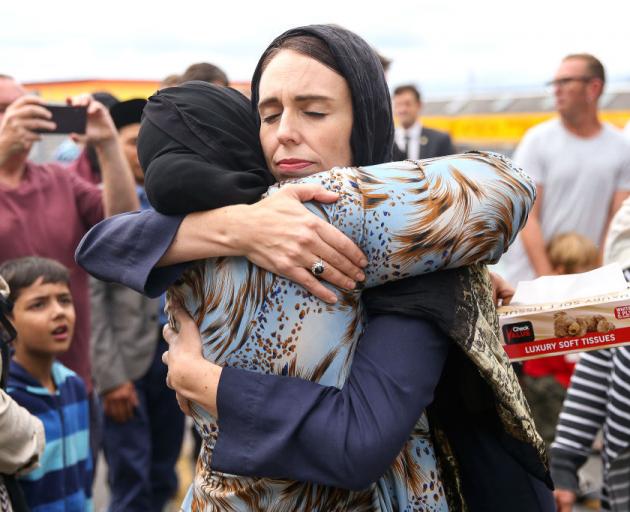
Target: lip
x=60 y=333
x=292 y=164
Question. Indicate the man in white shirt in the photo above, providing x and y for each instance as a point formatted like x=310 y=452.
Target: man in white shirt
x=581 y=167
x=413 y=140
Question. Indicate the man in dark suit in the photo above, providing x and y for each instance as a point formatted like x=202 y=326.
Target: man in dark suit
x=413 y=140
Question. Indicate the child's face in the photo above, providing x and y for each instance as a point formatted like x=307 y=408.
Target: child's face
x=43 y=315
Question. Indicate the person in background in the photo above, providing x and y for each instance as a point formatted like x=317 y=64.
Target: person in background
x=545 y=380
x=143 y=426
x=171 y=80
x=44 y=318
x=21 y=434
x=413 y=140
x=46 y=209
x=580 y=164
x=205 y=72
x=597 y=398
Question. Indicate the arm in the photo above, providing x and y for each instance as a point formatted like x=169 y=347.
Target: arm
x=125 y=248
x=304 y=431
x=583 y=414
x=278 y=233
x=110 y=373
x=119 y=193
x=412 y=219
x=618 y=198
x=22 y=439
x=533 y=239
x=616 y=245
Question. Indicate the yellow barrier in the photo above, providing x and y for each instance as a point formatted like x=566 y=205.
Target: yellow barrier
x=501 y=129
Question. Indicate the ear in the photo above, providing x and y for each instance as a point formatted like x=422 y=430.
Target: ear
x=595 y=89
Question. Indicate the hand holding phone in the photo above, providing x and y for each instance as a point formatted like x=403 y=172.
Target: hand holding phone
x=68 y=119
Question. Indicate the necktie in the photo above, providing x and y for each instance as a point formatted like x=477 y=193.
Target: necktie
x=407 y=141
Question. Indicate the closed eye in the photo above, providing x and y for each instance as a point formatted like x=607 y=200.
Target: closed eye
x=270 y=118
x=315 y=114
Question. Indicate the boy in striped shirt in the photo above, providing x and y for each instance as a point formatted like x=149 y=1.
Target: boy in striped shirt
x=44 y=317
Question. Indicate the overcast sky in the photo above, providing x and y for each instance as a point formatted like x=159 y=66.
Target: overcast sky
x=444 y=46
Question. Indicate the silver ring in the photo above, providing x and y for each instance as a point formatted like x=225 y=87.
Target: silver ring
x=318 y=268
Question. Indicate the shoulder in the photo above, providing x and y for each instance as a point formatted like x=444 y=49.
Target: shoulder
x=436 y=134
x=544 y=129
x=615 y=136
x=66 y=379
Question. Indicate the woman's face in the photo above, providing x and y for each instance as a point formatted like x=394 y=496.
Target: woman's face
x=305 y=116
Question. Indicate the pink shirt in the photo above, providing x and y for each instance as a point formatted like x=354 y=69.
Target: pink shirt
x=47 y=215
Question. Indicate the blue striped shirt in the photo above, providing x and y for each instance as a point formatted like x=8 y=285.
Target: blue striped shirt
x=63 y=480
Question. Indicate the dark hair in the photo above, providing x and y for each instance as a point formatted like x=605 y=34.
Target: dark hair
x=171 y=81
x=21 y=273
x=401 y=89
x=205 y=72
x=310 y=46
x=385 y=62
x=6 y=77
x=593 y=64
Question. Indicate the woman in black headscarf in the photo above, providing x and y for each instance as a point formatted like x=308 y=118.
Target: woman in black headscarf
x=199 y=149
x=345 y=48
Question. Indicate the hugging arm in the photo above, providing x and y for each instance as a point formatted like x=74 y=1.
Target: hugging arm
x=349 y=437
x=415 y=218
x=125 y=249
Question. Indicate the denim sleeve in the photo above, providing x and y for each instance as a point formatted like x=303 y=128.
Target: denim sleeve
x=275 y=426
x=125 y=249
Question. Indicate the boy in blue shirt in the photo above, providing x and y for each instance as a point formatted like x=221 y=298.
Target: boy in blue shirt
x=44 y=317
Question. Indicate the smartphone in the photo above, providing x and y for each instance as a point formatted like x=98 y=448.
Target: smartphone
x=67 y=118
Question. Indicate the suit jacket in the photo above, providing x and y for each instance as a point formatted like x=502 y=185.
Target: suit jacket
x=433 y=143
x=124 y=334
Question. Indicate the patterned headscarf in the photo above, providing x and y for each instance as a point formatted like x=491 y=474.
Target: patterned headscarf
x=373 y=127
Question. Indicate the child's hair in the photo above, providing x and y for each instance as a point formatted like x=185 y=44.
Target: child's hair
x=572 y=253
x=21 y=273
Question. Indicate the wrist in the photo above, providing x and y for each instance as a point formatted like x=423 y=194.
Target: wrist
x=198 y=382
x=232 y=233
x=105 y=144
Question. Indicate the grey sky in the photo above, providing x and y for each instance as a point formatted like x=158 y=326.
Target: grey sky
x=443 y=45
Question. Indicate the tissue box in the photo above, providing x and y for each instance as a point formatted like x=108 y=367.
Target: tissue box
x=543 y=330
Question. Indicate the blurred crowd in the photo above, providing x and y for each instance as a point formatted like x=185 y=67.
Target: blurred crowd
x=86 y=363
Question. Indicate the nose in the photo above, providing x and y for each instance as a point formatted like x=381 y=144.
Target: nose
x=288 y=130
x=59 y=309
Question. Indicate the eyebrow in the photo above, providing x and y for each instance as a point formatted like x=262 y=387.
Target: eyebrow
x=44 y=297
x=302 y=98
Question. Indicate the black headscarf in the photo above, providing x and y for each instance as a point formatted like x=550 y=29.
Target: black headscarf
x=373 y=127
x=199 y=149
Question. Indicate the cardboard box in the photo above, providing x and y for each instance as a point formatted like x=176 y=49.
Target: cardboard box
x=544 y=330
